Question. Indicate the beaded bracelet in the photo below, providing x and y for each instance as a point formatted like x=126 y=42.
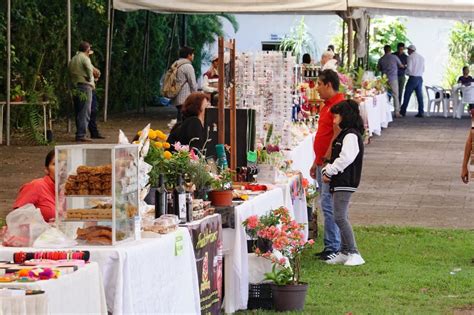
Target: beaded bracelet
x=21 y=257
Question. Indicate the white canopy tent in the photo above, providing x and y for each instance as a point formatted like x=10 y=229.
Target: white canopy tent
x=453 y=9
x=231 y=6
x=450 y=9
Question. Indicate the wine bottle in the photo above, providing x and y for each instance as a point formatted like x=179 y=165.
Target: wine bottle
x=179 y=203
x=161 y=201
x=189 y=207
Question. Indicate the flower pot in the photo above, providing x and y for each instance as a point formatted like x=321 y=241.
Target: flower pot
x=220 y=198
x=289 y=297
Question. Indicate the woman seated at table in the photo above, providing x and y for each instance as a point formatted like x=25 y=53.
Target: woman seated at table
x=191 y=131
x=40 y=191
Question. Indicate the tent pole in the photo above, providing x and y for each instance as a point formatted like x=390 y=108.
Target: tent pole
x=350 y=43
x=9 y=61
x=68 y=30
x=343 y=41
x=110 y=28
x=69 y=50
x=368 y=45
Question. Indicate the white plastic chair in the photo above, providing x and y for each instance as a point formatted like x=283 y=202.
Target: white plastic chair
x=446 y=96
x=436 y=101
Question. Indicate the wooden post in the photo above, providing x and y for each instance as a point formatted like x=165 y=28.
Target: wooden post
x=233 y=110
x=350 y=43
x=368 y=44
x=220 y=107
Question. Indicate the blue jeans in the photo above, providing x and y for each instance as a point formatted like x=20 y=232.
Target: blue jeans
x=332 y=237
x=82 y=108
x=94 y=131
x=413 y=84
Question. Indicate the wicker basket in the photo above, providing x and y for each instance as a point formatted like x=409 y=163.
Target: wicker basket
x=260 y=296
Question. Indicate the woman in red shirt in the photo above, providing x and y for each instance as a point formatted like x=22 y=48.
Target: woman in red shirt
x=40 y=192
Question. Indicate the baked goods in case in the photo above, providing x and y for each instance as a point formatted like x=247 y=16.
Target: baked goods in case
x=90 y=180
x=95 y=235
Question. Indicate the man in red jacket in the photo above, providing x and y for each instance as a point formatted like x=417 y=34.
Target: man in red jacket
x=328 y=88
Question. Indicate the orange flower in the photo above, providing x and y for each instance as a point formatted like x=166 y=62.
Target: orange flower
x=167 y=155
x=166 y=145
x=158 y=145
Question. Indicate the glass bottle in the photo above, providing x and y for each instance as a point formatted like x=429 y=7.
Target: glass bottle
x=161 y=201
x=179 y=199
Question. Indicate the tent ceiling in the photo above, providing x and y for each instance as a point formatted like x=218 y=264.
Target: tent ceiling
x=458 y=9
x=231 y=6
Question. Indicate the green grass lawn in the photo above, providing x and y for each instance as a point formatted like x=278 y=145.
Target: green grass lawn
x=407 y=271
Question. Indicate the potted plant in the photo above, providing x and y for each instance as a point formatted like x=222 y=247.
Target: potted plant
x=288 y=244
x=221 y=193
x=252 y=225
x=17 y=94
x=269 y=158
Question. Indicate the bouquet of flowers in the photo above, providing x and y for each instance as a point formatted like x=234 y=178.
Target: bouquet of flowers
x=288 y=244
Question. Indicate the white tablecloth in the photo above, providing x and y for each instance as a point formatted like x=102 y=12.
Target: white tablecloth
x=145 y=277
x=302 y=156
x=81 y=292
x=298 y=203
x=376 y=112
x=235 y=248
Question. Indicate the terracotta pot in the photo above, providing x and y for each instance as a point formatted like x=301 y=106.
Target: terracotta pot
x=289 y=297
x=220 y=198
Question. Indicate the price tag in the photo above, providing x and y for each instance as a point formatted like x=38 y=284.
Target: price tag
x=178 y=243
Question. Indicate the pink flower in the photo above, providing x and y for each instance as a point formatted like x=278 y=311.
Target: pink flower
x=252 y=222
x=282 y=261
x=257 y=251
x=311 y=242
x=178 y=147
x=193 y=156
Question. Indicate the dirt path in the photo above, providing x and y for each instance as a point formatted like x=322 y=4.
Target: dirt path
x=411 y=173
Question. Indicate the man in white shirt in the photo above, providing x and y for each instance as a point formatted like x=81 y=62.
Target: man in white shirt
x=415 y=69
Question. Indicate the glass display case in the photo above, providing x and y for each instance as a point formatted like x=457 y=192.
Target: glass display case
x=97 y=192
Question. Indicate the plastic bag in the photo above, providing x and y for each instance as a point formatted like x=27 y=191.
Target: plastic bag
x=53 y=238
x=24 y=225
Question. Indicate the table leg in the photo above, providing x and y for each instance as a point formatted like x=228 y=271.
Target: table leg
x=45 y=125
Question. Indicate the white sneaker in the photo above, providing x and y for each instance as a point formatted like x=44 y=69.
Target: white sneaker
x=354 y=260
x=337 y=258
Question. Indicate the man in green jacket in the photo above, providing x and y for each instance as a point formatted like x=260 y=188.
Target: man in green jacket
x=82 y=80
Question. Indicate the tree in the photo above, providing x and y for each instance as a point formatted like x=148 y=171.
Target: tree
x=299 y=41
x=461 y=51
x=384 y=31
x=39 y=63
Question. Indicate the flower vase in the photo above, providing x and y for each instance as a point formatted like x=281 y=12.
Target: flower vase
x=221 y=198
x=289 y=297
x=267 y=174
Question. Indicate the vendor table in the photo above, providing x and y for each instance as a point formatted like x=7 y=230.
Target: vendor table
x=302 y=156
x=149 y=276
x=294 y=196
x=376 y=113
x=235 y=247
x=46 y=115
x=80 y=292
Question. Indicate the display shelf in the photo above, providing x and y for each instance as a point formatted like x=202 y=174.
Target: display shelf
x=110 y=173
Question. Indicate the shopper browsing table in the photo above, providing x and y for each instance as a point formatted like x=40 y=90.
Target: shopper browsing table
x=191 y=130
x=343 y=176
x=40 y=192
x=328 y=87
